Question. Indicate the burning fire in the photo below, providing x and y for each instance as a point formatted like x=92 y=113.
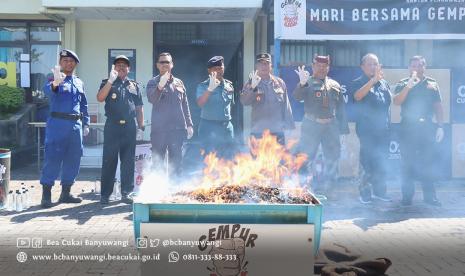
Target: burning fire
x=268 y=173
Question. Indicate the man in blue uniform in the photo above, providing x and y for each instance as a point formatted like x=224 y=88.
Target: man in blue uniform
x=215 y=97
x=420 y=100
x=123 y=106
x=67 y=123
x=373 y=98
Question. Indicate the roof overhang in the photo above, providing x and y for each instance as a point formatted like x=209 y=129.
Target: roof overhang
x=164 y=11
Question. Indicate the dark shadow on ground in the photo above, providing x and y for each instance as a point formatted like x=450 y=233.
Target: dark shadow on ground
x=79 y=212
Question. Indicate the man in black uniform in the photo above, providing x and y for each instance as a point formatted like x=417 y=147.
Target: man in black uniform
x=420 y=99
x=373 y=98
x=123 y=104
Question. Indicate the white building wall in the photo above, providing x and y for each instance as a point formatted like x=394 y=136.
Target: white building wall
x=93 y=39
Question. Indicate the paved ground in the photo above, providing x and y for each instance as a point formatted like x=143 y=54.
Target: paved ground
x=420 y=240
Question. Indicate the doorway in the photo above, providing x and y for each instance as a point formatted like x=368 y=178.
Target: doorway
x=191 y=46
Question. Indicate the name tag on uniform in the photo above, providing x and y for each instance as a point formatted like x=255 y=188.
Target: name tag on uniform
x=132 y=89
x=67 y=87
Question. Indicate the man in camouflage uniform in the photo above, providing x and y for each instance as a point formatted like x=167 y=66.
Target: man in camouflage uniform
x=420 y=99
x=325 y=117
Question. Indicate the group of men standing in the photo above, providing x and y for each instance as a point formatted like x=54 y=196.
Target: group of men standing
x=171 y=124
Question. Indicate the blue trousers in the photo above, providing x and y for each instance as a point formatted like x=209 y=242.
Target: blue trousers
x=62 y=155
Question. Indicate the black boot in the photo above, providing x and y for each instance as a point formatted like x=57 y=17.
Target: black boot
x=46 y=201
x=66 y=197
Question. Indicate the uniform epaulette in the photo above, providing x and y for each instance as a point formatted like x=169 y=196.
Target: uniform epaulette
x=404 y=80
x=430 y=79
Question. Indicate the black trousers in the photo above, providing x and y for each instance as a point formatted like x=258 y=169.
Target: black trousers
x=119 y=140
x=374 y=146
x=171 y=143
x=417 y=149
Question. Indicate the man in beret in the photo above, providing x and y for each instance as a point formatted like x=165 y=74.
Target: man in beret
x=215 y=96
x=68 y=122
x=325 y=118
x=171 y=117
x=267 y=94
x=420 y=101
x=123 y=107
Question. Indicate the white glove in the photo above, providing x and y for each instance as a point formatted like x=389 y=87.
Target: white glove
x=303 y=75
x=190 y=132
x=58 y=76
x=85 y=131
x=113 y=75
x=413 y=80
x=214 y=82
x=439 y=134
x=139 y=134
x=163 y=80
x=254 y=79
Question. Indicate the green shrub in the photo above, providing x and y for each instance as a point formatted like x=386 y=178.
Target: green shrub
x=11 y=99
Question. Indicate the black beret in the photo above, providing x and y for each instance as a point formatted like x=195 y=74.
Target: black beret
x=215 y=61
x=263 y=56
x=123 y=58
x=69 y=53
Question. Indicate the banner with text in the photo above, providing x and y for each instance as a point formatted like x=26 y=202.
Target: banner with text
x=364 y=20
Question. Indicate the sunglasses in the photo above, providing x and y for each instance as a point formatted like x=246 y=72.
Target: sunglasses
x=164 y=62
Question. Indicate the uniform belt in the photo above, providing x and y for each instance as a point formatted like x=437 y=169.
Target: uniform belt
x=66 y=116
x=313 y=118
x=119 y=122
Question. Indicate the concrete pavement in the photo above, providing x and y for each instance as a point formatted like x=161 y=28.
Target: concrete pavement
x=420 y=240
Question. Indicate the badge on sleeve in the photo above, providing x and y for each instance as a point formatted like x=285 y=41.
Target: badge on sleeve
x=318 y=94
x=113 y=96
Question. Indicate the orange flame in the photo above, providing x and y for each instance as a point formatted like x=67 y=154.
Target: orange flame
x=268 y=164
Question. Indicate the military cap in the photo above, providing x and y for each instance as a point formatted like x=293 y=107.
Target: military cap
x=264 y=56
x=321 y=59
x=215 y=61
x=69 y=53
x=123 y=58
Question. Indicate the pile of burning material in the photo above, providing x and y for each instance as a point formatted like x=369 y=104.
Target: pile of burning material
x=249 y=194
x=266 y=174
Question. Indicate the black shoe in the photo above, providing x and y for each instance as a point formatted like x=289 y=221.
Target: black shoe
x=104 y=200
x=382 y=198
x=433 y=202
x=46 y=201
x=66 y=197
x=406 y=202
x=127 y=197
x=365 y=200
